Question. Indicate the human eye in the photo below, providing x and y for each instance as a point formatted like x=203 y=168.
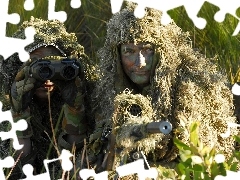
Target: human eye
x=148 y=49
x=127 y=51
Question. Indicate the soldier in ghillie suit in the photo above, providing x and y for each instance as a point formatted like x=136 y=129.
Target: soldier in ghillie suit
x=166 y=80
x=46 y=103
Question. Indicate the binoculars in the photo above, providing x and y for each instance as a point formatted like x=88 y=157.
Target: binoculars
x=65 y=69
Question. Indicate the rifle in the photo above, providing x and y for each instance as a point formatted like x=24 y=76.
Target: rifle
x=164 y=127
x=130 y=106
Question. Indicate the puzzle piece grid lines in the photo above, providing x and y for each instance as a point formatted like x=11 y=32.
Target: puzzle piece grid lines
x=17 y=45
x=192 y=8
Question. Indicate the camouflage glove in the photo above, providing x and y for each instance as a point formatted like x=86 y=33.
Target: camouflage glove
x=21 y=96
x=21 y=90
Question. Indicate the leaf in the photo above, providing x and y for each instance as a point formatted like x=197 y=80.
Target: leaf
x=204 y=150
x=237 y=155
x=197 y=175
x=188 y=174
x=180 y=145
x=194 y=126
x=212 y=152
x=194 y=149
x=222 y=169
x=237 y=138
x=197 y=167
x=214 y=170
x=188 y=163
x=194 y=133
x=229 y=161
x=181 y=168
x=234 y=167
x=206 y=176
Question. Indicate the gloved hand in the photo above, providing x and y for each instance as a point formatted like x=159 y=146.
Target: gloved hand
x=21 y=90
x=72 y=92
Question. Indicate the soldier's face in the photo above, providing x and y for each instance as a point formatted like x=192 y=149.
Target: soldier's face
x=137 y=61
x=42 y=92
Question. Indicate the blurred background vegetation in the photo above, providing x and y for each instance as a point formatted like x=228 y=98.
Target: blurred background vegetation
x=89 y=24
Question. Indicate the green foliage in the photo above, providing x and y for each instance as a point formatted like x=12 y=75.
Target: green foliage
x=215 y=39
x=200 y=162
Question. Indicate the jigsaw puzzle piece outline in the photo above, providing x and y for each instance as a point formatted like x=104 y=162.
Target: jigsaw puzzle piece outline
x=75 y=4
x=156 y=4
x=7 y=162
x=13 y=18
x=138 y=168
x=60 y=15
x=17 y=45
x=29 y=5
x=191 y=8
x=13 y=45
x=65 y=161
x=20 y=126
x=230 y=8
x=52 y=14
x=28 y=171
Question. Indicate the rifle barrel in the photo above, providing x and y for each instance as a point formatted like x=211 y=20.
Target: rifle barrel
x=164 y=127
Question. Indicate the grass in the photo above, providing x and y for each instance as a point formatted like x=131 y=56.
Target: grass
x=215 y=39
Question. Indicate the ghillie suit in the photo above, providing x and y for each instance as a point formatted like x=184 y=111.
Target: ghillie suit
x=49 y=33
x=184 y=87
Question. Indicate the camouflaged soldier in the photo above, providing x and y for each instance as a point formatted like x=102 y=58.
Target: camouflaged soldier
x=30 y=96
x=167 y=79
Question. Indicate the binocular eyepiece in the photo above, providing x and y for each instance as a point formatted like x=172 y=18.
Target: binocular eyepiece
x=65 y=69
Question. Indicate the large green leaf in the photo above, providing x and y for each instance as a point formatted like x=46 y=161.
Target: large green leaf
x=180 y=144
x=194 y=133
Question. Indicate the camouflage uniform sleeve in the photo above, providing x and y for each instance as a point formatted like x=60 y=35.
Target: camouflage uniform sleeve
x=21 y=96
x=73 y=93
x=73 y=120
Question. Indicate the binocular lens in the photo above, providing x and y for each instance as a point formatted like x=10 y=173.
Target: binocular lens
x=65 y=70
x=69 y=72
x=45 y=72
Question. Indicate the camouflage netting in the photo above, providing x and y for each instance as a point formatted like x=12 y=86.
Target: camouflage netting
x=133 y=113
x=185 y=86
x=47 y=33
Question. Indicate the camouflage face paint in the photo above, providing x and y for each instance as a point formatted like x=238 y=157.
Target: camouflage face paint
x=137 y=60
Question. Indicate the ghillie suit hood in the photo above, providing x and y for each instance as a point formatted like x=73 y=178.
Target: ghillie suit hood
x=185 y=86
x=48 y=32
